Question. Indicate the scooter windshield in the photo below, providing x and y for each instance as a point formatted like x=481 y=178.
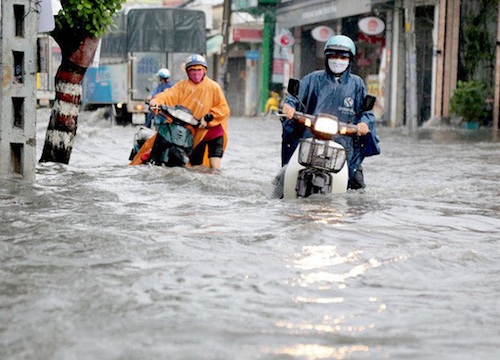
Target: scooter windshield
x=184 y=116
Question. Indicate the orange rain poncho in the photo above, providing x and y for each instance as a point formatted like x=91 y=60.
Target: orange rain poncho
x=202 y=98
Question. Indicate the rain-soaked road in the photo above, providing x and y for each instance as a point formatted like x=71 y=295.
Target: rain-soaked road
x=99 y=260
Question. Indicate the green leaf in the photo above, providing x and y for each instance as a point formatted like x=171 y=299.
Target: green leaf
x=92 y=17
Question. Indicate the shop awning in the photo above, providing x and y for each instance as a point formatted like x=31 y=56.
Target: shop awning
x=214 y=44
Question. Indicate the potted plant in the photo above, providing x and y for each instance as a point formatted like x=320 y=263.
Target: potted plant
x=468 y=102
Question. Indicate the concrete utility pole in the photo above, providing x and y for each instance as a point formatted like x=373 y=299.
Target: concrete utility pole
x=447 y=52
x=224 y=56
x=411 y=67
x=18 y=34
x=440 y=55
x=497 y=79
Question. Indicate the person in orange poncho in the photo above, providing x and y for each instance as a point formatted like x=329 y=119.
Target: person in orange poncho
x=205 y=98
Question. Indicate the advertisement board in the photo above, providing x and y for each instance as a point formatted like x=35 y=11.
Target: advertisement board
x=106 y=84
x=145 y=65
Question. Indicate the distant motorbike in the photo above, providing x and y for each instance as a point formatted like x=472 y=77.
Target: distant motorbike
x=170 y=143
x=319 y=164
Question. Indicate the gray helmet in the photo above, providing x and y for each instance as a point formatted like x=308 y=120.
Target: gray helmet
x=340 y=43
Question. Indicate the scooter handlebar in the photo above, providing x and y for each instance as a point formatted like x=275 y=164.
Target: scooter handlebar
x=348 y=129
x=309 y=120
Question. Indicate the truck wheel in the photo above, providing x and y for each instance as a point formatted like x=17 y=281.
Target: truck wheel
x=123 y=117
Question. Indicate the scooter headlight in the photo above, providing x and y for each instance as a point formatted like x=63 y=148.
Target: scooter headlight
x=326 y=124
x=321 y=154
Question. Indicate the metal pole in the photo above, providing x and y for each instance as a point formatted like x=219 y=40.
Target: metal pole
x=224 y=57
x=411 y=66
x=395 y=32
x=266 y=56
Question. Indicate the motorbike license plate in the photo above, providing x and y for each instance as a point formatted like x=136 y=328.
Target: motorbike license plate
x=138 y=118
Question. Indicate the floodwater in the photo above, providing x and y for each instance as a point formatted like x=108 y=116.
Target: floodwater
x=99 y=260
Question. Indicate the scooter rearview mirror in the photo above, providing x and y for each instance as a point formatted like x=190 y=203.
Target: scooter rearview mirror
x=293 y=87
x=368 y=102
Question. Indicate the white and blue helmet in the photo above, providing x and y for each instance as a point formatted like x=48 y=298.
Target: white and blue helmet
x=195 y=59
x=340 y=43
x=163 y=73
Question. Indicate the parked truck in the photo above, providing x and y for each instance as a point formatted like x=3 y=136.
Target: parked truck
x=144 y=40
x=49 y=59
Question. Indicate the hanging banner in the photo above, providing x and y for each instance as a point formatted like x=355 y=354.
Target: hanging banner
x=45 y=16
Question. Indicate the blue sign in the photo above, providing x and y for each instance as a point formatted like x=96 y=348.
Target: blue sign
x=105 y=85
x=252 y=54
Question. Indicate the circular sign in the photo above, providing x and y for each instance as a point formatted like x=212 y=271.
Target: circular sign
x=322 y=33
x=284 y=40
x=371 y=25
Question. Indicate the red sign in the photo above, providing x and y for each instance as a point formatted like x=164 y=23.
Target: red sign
x=247 y=35
x=279 y=66
x=284 y=40
x=371 y=25
x=322 y=33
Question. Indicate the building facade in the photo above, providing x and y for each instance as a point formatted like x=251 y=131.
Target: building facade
x=378 y=29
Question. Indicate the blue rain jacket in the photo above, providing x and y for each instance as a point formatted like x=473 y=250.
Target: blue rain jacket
x=160 y=87
x=321 y=92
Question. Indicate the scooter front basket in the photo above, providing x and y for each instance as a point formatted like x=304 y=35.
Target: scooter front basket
x=321 y=154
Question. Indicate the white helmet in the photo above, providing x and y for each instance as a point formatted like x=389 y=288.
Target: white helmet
x=163 y=73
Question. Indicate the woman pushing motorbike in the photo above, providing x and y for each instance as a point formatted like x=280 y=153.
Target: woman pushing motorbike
x=335 y=91
x=206 y=100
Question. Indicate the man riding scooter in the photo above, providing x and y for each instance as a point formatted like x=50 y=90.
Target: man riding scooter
x=338 y=92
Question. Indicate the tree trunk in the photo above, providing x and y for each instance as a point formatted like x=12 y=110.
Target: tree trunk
x=77 y=55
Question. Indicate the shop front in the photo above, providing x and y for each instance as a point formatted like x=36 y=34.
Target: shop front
x=312 y=23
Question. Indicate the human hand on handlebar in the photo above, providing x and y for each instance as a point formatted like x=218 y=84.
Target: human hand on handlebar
x=208 y=117
x=288 y=111
x=362 y=129
x=203 y=123
x=205 y=120
x=153 y=103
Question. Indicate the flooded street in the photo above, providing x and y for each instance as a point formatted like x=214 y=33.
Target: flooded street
x=99 y=260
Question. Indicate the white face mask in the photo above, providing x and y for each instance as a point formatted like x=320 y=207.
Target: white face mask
x=338 y=66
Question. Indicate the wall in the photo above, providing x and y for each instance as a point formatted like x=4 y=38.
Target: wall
x=18 y=34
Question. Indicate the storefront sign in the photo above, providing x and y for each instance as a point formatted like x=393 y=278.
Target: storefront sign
x=245 y=4
x=317 y=11
x=371 y=25
x=284 y=39
x=322 y=33
x=252 y=54
x=247 y=35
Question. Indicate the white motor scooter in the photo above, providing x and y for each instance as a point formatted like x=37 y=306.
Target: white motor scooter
x=318 y=164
